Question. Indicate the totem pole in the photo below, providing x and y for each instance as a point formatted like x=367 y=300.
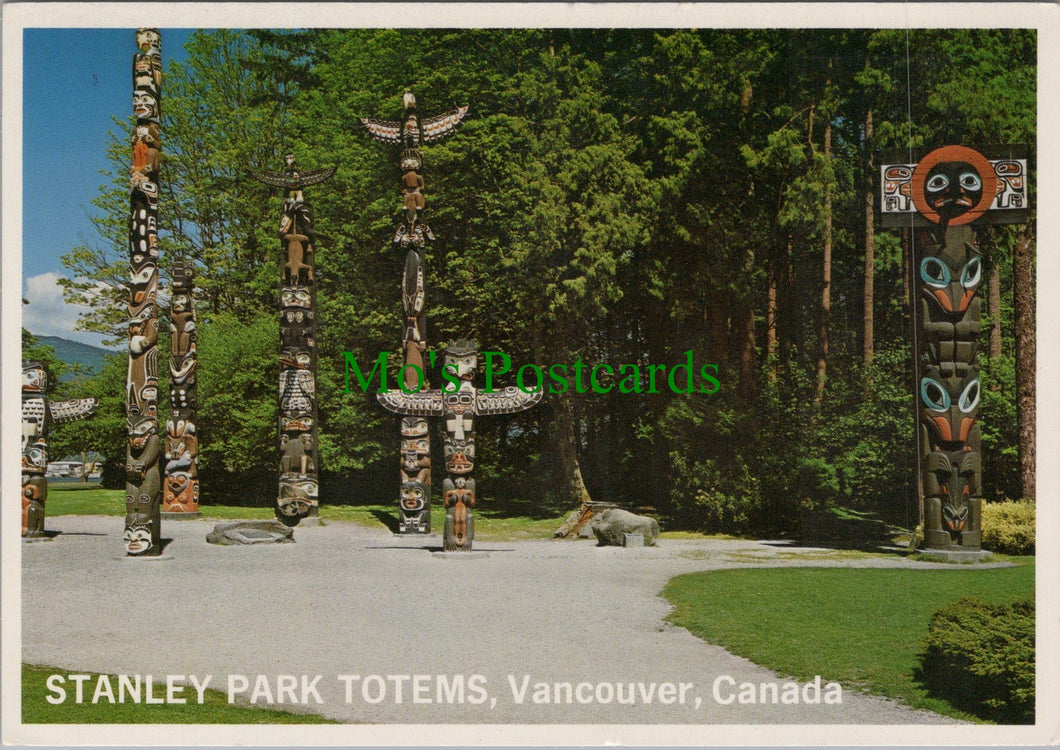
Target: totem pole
x=37 y=412
x=459 y=406
x=299 y=463
x=143 y=520
x=413 y=236
x=180 y=491
x=946 y=191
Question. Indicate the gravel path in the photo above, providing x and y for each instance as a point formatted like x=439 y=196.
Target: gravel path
x=350 y=600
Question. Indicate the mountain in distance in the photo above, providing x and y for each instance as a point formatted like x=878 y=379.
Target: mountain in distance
x=74 y=352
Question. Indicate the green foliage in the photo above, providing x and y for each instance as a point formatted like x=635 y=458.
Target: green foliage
x=1008 y=527
x=618 y=195
x=980 y=658
x=238 y=417
x=861 y=627
x=105 y=431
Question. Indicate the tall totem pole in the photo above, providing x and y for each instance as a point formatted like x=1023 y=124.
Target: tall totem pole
x=299 y=463
x=143 y=520
x=459 y=403
x=180 y=490
x=413 y=235
x=37 y=412
x=945 y=192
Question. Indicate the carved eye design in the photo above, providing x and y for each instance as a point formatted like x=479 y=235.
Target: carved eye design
x=971 y=181
x=970 y=398
x=972 y=273
x=935 y=396
x=937 y=182
x=934 y=272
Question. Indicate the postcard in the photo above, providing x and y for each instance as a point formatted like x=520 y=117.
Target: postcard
x=529 y=374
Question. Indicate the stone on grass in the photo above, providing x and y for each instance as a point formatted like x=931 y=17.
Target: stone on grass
x=612 y=525
x=251 y=532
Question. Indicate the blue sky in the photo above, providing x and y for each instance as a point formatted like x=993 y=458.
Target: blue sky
x=75 y=81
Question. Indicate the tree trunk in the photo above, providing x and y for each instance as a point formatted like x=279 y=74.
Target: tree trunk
x=907 y=277
x=993 y=306
x=746 y=334
x=826 y=277
x=868 y=318
x=567 y=453
x=1023 y=304
x=771 y=321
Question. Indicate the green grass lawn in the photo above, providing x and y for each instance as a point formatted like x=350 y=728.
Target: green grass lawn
x=492 y=524
x=215 y=708
x=861 y=627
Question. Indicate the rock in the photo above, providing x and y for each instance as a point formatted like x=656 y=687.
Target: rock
x=251 y=532
x=611 y=526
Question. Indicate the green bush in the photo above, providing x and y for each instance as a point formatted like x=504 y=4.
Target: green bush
x=1008 y=527
x=980 y=658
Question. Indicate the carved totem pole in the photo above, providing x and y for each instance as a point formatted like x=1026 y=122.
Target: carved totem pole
x=299 y=464
x=413 y=236
x=459 y=406
x=143 y=520
x=180 y=491
x=37 y=412
x=946 y=191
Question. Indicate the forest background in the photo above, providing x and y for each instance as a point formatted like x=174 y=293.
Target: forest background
x=621 y=196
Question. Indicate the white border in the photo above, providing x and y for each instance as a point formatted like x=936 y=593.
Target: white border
x=1043 y=17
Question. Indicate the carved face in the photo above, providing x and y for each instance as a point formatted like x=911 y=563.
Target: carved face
x=952 y=288
x=34 y=378
x=148 y=39
x=141 y=434
x=35 y=458
x=145 y=106
x=413 y=497
x=137 y=538
x=459 y=455
x=950 y=407
x=413 y=426
x=294 y=297
x=953 y=188
x=953 y=185
x=465 y=365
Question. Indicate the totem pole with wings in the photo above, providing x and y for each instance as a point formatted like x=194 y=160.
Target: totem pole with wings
x=458 y=406
x=413 y=235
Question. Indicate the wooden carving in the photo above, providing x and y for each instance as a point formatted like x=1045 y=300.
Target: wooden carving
x=143 y=524
x=299 y=465
x=413 y=235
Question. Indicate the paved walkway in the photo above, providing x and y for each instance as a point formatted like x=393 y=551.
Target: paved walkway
x=350 y=600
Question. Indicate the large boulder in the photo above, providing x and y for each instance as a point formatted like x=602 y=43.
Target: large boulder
x=251 y=532
x=611 y=526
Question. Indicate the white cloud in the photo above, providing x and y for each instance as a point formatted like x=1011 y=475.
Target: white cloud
x=48 y=315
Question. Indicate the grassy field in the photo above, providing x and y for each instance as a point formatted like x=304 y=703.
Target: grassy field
x=494 y=525
x=215 y=708
x=861 y=627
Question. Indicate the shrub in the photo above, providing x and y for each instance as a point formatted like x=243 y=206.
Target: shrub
x=1008 y=527
x=980 y=658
